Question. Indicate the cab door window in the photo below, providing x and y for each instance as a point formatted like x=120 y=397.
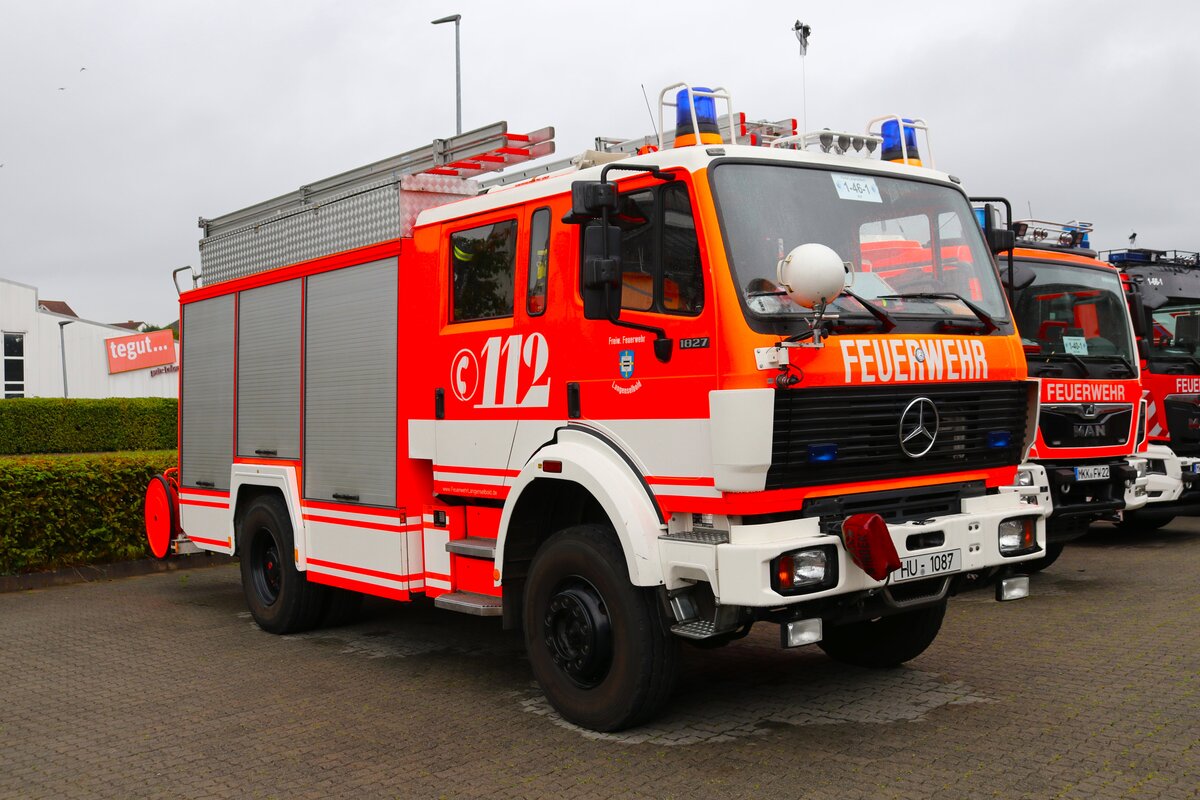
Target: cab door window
x=660 y=254
x=539 y=262
x=482 y=266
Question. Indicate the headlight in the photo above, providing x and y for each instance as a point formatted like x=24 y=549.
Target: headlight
x=1024 y=477
x=1140 y=465
x=803 y=571
x=1018 y=536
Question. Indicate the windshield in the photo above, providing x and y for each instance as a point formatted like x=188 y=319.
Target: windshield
x=1176 y=330
x=900 y=239
x=1073 y=310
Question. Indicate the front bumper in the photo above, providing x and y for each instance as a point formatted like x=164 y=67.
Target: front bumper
x=1056 y=489
x=1172 y=478
x=737 y=564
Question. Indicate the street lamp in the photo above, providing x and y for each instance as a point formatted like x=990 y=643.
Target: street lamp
x=455 y=18
x=62 y=349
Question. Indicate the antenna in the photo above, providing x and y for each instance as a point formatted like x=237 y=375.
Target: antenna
x=653 y=124
x=802 y=32
x=1029 y=205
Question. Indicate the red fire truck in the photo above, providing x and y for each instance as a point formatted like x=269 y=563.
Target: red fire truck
x=1163 y=289
x=1078 y=340
x=653 y=395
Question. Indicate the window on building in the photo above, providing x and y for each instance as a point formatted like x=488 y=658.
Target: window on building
x=14 y=365
x=539 y=262
x=482 y=266
x=660 y=255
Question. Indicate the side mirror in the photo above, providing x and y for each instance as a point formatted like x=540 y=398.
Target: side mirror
x=1020 y=277
x=1143 y=349
x=812 y=275
x=1000 y=240
x=592 y=198
x=601 y=270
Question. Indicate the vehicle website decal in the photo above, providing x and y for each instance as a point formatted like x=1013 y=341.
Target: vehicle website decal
x=903 y=360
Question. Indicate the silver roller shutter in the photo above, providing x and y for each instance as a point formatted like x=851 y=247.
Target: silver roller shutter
x=207 y=404
x=350 y=385
x=268 y=385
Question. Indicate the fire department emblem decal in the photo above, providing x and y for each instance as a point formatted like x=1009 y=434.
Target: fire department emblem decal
x=627 y=364
x=918 y=427
x=919 y=355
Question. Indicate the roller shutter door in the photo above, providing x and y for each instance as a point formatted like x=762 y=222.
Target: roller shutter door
x=350 y=385
x=207 y=404
x=268 y=406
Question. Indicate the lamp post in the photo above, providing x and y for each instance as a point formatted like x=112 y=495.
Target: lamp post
x=62 y=350
x=456 y=18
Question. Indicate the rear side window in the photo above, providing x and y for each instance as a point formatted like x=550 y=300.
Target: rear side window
x=539 y=262
x=482 y=265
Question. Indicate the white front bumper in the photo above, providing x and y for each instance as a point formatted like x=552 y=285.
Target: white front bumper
x=739 y=570
x=1166 y=486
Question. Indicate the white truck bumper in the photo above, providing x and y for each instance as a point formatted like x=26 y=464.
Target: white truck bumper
x=739 y=569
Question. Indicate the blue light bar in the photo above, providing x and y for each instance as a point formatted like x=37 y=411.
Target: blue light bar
x=999 y=439
x=1130 y=257
x=981 y=217
x=706 y=111
x=820 y=453
x=892 y=151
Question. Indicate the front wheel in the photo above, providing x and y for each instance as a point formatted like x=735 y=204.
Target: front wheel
x=887 y=641
x=279 y=596
x=1053 y=551
x=598 y=645
x=1143 y=521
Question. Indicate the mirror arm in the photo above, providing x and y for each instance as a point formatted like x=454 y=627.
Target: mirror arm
x=666 y=177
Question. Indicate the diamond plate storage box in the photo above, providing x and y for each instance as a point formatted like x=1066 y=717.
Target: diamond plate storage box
x=361 y=207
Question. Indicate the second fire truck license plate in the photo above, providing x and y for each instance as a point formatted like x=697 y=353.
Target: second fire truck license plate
x=928 y=565
x=1095 y=473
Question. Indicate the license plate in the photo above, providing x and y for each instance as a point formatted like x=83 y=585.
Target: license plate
x=929 y=565
x=1195 y=467
x=1094 y=473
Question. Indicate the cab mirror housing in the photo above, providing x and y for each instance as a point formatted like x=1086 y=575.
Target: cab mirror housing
x=601 y=271
x=1000 y=240
x=590 y=199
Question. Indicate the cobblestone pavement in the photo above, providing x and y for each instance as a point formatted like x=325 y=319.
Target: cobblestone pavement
x=162 y=686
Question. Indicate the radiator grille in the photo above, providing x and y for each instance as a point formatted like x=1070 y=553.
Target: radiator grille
x=864 y=423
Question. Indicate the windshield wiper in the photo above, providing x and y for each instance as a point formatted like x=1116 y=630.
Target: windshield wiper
x=1126 y=363
x=984 y=317
x=1079 y=362
x=885 y=319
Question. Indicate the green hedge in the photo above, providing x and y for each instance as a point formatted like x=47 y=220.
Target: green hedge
x=70 y=510
x=54 y=425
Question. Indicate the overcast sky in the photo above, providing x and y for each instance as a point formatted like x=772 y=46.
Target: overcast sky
x=1081 y=110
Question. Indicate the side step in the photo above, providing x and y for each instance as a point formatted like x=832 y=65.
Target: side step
x=473 y=546
x=479 y=605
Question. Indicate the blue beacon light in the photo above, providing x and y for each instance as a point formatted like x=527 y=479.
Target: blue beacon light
x=999 y=439
x=822 y=453
x=706 y=118
x=892 y=150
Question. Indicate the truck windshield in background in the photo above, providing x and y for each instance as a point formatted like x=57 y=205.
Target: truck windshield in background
x=913 y=248
x=1074 y=311
x=1176 y=331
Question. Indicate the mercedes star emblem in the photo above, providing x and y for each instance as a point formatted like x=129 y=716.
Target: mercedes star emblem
x=918 y=427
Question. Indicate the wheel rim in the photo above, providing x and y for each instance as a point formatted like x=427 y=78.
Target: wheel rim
x=578 y=633
x=268 y=573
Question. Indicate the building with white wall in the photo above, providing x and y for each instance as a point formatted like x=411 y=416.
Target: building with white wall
x=42 y=347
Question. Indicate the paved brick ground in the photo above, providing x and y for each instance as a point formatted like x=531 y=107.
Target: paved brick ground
x=161 y=686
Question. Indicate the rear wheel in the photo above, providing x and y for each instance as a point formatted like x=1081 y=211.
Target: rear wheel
x=887 y=641
x=598 y=645
x=279 y=596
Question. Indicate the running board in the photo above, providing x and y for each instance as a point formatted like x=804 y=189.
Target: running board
x=473 y=546
x=479 y=605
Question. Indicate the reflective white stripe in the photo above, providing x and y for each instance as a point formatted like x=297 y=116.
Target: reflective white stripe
x=435 y=583
x=449 y=476
x=675 y=490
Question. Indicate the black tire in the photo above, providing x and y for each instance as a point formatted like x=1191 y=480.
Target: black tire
x=887 y=641
x=599 y=646
x=279 y=596
x=341 y=607
x=1053 y=551
x=1143 y=521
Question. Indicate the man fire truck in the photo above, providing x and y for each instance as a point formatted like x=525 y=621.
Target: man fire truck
x=1078 y=340
x=621 y=403
x=1163 y=289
